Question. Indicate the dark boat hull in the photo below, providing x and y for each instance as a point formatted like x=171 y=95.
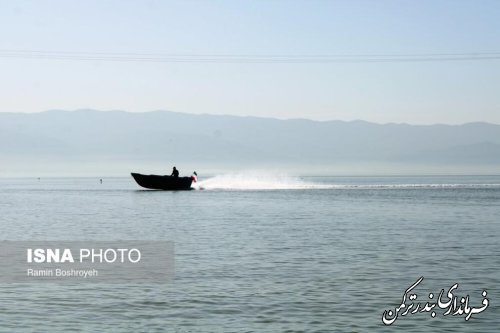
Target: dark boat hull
x=166 y=183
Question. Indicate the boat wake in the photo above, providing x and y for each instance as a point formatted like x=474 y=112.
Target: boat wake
x=255 y=180
x=258 y=180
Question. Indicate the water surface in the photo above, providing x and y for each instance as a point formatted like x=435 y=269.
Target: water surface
x=264 y=254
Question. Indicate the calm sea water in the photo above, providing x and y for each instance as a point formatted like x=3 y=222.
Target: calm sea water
x=264 y=253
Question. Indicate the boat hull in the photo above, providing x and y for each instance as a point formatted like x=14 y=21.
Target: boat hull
x=165 y=183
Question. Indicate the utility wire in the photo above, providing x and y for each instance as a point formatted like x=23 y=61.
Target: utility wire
x=245 y=58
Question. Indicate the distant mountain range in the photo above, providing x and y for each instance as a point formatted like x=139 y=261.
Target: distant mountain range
x=113 y=142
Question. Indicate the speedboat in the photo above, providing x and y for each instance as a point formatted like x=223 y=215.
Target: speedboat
x=168 y=183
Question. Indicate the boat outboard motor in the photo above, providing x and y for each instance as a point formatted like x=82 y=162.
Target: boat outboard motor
x=194 y=177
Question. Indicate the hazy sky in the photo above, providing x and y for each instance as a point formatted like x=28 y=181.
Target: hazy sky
x=418 y=92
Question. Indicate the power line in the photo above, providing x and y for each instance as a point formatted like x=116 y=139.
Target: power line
x=246 y=58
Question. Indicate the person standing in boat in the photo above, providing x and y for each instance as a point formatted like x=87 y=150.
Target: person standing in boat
x=175 y=172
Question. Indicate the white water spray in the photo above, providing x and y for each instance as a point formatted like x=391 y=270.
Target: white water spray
x=254 y=180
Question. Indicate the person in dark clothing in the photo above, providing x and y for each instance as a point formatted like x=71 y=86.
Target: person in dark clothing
x=175 y=173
